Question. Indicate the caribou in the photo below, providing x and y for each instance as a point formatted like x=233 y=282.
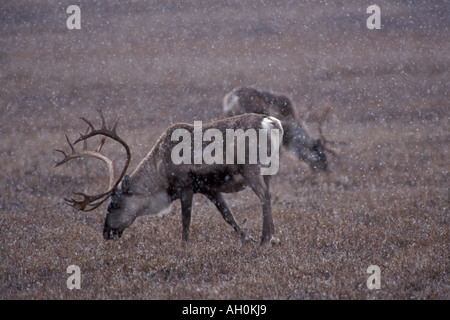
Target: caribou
x=296 y=137
x=157 y=181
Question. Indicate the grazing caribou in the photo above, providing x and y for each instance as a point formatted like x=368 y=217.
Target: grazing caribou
x=296 y=136
x=158 y=181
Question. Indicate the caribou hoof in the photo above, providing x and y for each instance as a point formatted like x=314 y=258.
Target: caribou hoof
x=274 y=241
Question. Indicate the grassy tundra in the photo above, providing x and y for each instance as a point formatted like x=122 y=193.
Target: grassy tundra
x=384 y=202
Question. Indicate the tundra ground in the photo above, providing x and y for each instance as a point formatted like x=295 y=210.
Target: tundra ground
x=384 y=202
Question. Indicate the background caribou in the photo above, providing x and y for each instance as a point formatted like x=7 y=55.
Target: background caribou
x=157 y=181
x=296 y=136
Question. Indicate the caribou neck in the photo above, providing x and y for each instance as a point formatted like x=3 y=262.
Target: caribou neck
x=149 y=176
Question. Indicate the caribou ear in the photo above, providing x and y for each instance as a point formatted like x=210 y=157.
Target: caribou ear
x=126 y=185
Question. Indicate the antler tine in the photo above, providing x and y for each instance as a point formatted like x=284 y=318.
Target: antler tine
x=70 y=144
x=88 y=201
x=62 y=161
x=324 y=118
x=89 y=123
x=328 y=149
x=100 y=146
x=103 y=131
x=66 y=156
x=85 y=145
x=102 y=118
x=115 y=125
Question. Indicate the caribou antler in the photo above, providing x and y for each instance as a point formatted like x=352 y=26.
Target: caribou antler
x=91 y=202
x=324 y=118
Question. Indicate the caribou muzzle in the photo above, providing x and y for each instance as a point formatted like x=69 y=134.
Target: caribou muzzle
x=110 y=233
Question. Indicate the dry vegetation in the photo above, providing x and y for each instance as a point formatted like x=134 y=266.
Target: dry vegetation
x=385 y=201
